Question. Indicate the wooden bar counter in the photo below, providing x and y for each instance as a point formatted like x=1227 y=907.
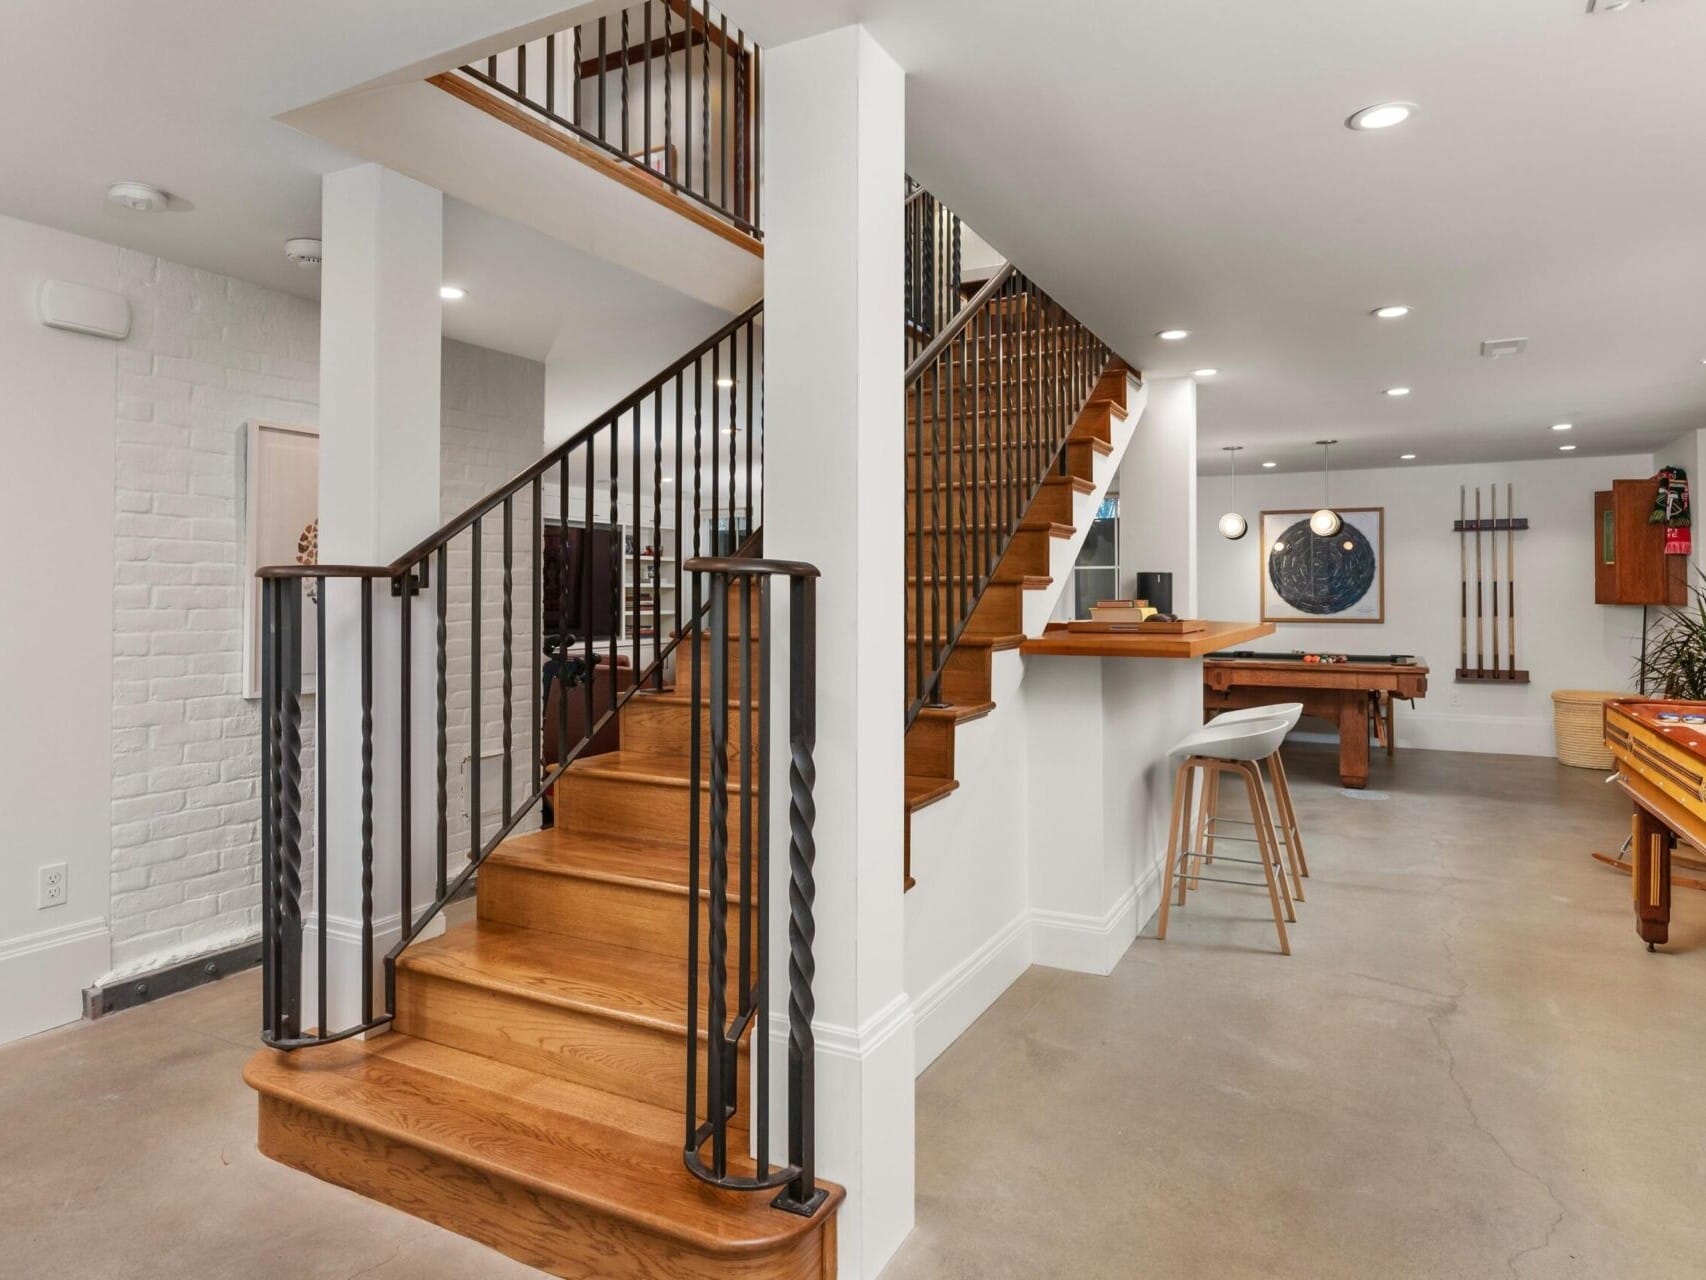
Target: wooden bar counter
x=1060 y=638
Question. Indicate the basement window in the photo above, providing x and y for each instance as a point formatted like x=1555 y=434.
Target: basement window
x=1096 y=575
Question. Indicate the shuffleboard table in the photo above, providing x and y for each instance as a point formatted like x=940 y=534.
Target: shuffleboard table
x=1659 y=748
x=1341 y=692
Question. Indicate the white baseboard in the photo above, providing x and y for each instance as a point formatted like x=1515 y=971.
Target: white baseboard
x=42 y=976
x=1085 y=943
x=959 y=997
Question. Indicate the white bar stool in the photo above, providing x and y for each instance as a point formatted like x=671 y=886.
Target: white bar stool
x=1214 y=750
x=1286 y=815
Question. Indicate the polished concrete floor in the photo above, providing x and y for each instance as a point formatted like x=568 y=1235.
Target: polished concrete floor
x=1468 y=1067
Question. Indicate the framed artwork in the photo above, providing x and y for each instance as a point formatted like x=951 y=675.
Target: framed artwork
x=281 y=492
x=1308 y=578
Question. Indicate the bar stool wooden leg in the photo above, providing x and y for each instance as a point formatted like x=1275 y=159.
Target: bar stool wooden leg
x=1264 y=822
x=1264 y=834
x=1202 y=841
x=1288 y=814
x=1181 y=806
x=1282 y=826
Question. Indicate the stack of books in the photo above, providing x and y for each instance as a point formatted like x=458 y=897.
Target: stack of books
x=1128 y=612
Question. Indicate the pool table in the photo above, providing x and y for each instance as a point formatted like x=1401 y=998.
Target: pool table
x=1343 y=691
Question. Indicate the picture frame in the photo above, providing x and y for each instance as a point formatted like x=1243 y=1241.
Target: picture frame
x=280 y=484
x=1341 y=579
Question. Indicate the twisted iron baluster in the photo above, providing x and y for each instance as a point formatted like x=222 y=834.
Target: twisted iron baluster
x=289 y=899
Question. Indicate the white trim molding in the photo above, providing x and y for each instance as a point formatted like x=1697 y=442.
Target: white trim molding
x=960 y=997
x=42 y=976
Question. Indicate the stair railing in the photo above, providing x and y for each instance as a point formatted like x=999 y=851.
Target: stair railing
x=991 y=398
x=664 y=85
x=690 y=440
x=739 y=651
x=933 y=272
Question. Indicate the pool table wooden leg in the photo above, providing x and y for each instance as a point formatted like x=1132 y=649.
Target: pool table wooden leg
x=1649 y=856
x=1353 y=739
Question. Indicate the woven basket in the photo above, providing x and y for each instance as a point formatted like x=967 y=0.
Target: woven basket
x=1578 y=719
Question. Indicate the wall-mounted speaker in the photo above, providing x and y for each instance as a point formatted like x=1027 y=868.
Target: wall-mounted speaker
x=1157 y=588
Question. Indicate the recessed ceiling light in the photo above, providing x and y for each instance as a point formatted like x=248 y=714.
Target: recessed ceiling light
x=1173 y=335
x=1396 y=392
x=452 y=292
x=1382 y=115
x=1204 y=373
x=1392 y=313
x=138 y=197
x=1406 y=457
x=1565 y=448
x=1270 y=464
x=1562 y=426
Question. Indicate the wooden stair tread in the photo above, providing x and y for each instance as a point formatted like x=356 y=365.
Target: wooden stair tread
x=1078 y=483
x=969 y=641
x=558 y=969
x=1029 y=581
x=558 y=1140
x=1054 y=528
x=923 y=792
x=957 y=712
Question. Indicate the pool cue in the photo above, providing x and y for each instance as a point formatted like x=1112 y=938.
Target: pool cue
x=1510 y=572
x=1463 y=577
x=1480 y=662
x=1493 y=551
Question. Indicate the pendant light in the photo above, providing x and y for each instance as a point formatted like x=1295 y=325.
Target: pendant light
x=1232 y=525
x=1325 y=522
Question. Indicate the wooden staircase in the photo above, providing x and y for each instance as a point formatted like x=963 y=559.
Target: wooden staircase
x=997 y=621
x=530 y=1091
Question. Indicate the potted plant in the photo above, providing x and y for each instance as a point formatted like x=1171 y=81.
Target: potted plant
x=1673 y=652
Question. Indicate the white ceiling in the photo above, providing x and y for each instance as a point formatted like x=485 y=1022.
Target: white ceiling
x=1550 y=188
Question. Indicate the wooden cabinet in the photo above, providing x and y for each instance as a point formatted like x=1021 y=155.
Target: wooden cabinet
x=1630 y=565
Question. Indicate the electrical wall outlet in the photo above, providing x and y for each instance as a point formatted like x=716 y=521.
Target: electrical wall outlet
x=51 y=889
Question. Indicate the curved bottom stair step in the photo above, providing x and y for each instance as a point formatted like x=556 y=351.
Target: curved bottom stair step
x=562 y=1177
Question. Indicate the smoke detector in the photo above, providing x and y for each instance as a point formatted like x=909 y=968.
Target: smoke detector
x=304 y=251
x=1498 y=348
x=138 y=197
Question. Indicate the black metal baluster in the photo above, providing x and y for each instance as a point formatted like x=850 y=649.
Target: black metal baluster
x=639 y=593
x=686 y=98
x=623 y=86
x=743 y=740
x=646 y=85
x=718 y=1091
x=751 y=377
x=474 y=752
x=551 y=74
x=405 y=766
x=601 y=132
x=536 y=602
x=721 y=544
x=509 y=660
x=921 y=668
x=575 y=79
x=704 y=98
x=270 y=944
x=937 y=476
x=757 y=147
x=657 y=537
x=321 y=754
x=948 y=527
x=802 y=1195
x=443 y=697
x=562 y=617
x=618 y=611
x=696 y=770
x=743 y=132
x=586 y=584
x=367 y=800
x=723 y=117
x=521 y=71
x=681 y=619
x=288 y=845
x=761 y=1018
x=734 y=443
x=668 y=121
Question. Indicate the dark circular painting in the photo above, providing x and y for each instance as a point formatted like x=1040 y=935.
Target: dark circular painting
x=1321 y=575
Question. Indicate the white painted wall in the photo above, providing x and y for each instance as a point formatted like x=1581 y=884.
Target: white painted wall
x=1563 y=637
x=57 y=396
x=121 y=632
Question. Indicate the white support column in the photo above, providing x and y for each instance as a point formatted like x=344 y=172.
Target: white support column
x=1158 y=477
x=380 y=350
x=834 y=165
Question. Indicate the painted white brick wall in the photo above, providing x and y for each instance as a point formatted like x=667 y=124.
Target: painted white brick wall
x=206 y=354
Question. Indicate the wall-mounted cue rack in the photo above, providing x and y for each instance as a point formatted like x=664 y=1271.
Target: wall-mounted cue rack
x=1486 y=530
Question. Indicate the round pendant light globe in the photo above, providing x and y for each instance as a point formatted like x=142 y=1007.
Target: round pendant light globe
x=1325 y=522
x=1233 y=526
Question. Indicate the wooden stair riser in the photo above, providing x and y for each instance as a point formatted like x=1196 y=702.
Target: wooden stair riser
x=640 y=807
x=966 y=679
x=1081 y=455
x=616 y=913
x=1097 y=422
x=558 y=1236
x=631 y=1059
x=930 y=747
x=999 y=611
x=663 y=727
